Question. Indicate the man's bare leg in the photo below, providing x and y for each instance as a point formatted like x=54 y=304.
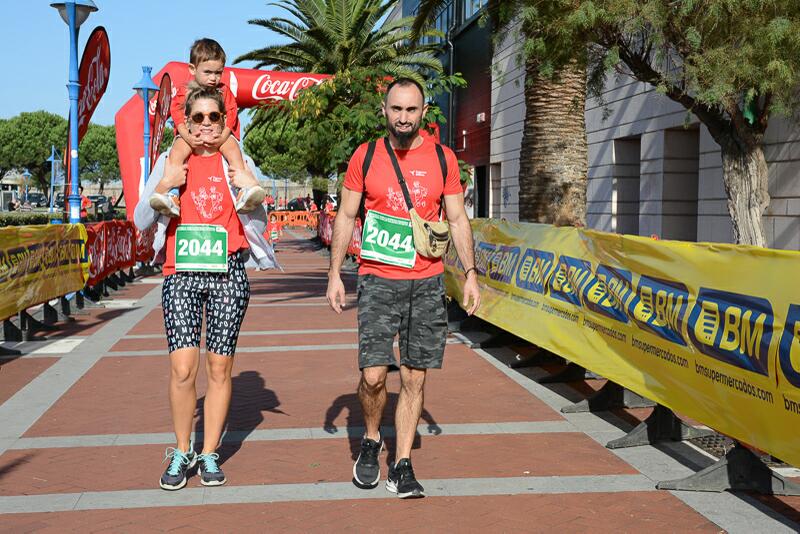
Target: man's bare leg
x=409 y=408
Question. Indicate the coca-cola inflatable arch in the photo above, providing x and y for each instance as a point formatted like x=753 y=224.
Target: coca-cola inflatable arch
x=250 y=87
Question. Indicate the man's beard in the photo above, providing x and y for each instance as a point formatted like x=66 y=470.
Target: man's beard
x=403 y=138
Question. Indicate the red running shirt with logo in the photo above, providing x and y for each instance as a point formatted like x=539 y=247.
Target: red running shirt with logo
x=423 y=176
x=205 y=199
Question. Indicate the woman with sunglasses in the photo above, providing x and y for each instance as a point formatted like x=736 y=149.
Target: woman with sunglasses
x=204 y=252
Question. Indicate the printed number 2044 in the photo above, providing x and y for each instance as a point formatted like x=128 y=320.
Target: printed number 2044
x=382 y=238
x=193 y=247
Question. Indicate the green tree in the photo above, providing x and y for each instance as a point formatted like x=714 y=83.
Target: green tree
x=553 y=153
x=97 y=154
x=325 y=125
x=733 y=64
x=166 y=139
x=25 y=142
x=316 y=134
x=332 y=36
x=275 y=147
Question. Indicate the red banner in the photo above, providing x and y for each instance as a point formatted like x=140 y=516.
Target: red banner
x=93 y=76
x=325 y=232
x=250 y=87
x=160 y=117
x=144 y=244
x=111 y=248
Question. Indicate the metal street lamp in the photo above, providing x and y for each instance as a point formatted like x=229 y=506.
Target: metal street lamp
x=146 y=88
x=74 y=13
x=27 y=176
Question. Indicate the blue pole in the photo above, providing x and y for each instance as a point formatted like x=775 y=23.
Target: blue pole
x=74 y=88
x=146 y=102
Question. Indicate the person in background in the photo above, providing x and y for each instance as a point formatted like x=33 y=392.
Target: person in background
x=85 y=203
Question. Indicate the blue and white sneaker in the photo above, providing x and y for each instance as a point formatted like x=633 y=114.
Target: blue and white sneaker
x=209 y=471
x=174 y=478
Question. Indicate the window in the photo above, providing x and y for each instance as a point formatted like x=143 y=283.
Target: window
x=443 y=22
x=471 y=7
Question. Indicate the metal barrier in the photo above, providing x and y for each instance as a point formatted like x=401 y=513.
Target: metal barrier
x=45 y=268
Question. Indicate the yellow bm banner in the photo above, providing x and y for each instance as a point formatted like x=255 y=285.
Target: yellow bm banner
x=711 y=331
x=39 y=263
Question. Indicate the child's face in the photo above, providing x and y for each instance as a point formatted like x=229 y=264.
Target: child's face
x=207 y=73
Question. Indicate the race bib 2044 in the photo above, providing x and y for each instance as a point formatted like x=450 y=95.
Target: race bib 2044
x=201 y=248
x=388 y=239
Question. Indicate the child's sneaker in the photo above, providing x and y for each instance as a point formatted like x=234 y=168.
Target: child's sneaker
x=209 y=471
x=165 y=205
x=174 y=478
x=250 y=198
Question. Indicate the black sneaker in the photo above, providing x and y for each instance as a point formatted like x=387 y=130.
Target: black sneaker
x=401 y=480
x=209 y=471
x=367 y=469
x=174 y=478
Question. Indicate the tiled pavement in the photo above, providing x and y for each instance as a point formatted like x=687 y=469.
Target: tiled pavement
x=84 y=421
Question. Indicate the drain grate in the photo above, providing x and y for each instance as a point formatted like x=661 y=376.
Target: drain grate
x=715 y=444
x=719 y=445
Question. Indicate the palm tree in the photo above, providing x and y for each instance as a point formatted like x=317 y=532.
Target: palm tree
x=553 y=155
x=334 y=36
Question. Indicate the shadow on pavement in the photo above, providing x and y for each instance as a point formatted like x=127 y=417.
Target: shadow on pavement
x=12 y=466
x=355 y=422
x=249 y=400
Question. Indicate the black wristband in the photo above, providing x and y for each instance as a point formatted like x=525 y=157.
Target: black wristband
x=466 y=272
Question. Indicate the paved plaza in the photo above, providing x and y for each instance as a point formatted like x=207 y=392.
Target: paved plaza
x=84 y=422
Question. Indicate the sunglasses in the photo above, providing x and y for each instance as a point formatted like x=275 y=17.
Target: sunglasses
x=214 y=117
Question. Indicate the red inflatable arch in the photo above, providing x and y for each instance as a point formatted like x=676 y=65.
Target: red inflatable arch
x=250 y=87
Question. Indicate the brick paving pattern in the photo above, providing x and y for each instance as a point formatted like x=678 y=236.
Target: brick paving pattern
x=493 y=450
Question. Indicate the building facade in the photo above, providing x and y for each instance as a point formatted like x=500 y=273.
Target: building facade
x=653 y=168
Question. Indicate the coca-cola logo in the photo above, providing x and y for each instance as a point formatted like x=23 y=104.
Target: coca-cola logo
x=120 y=246
x=267 y=88
x=97 y=250
x=96 y=82
x=94 y=73
x=161 y=114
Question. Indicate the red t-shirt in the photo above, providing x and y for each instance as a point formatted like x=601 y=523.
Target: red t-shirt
x=205 y=199
x=231 y=108
x=423 y=176
x=85 y=205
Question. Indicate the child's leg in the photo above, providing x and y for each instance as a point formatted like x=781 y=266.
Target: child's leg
x=182 y=392
x=178 y=155
x=232 y=153
x=218 y=399
x=179 y=152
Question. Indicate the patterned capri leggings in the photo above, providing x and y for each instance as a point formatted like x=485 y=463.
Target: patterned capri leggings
x=224 y=297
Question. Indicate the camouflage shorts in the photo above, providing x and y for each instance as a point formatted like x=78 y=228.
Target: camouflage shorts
x=414 y=309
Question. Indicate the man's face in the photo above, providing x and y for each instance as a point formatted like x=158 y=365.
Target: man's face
x=207 y=73
x=404 y=108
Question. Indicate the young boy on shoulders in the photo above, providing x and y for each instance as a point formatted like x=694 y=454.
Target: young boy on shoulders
x=206 y=64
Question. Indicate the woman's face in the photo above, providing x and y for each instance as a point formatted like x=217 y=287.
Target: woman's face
x=207 y=129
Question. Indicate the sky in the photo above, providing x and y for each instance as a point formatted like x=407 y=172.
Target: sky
x=141 y=32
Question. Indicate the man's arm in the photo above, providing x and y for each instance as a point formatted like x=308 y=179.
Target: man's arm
x=461 y=233
x=342 y=235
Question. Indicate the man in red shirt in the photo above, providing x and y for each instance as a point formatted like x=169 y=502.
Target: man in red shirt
x=399 y=291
